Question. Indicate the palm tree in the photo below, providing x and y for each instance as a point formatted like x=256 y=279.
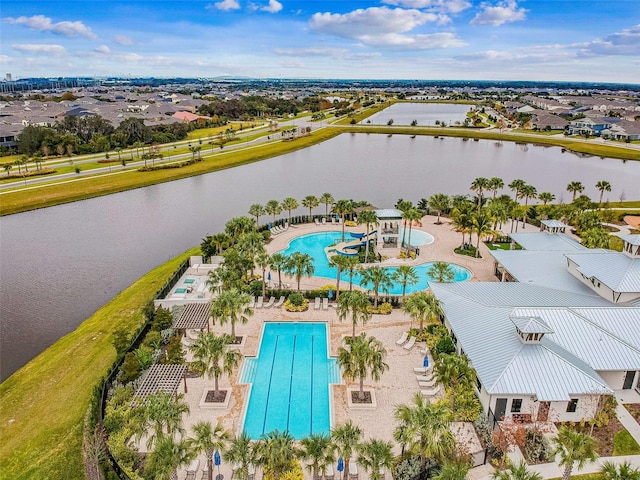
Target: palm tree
x=546 y=197
x=462 y=219
x=516 y=472
x=405 y=275
x=454 y=371
x=273 y=208
x=220 y=241
x=441 y=272
x=289 y=204
x=571 y=447
x=310 y=202
x=495 y=184
x=456 y=470
x=257 y=211
x=603 y=186
x=527 y=192
x=208 y=439
x=159 y=415
x=250 y=245
x=479 y=185
x=240 y=452
x=279 y=262
x=340 y=262
x=300 y=264
x=623 y=471
x=367 y=217
x=375 y=455
x=499 y=208
x=423 y=307
x=351 y=266
x=516 y=186
x=328 y=201
x=379 y=278
x=361 y=357
x=575 y=188
x=318 y=448
x=342 y=208
x=167 y=456
x=263 y=260
x=276 y=453
x=238 y=226
x=439 y=202
x=7 y=168
x=357 y=304
x=410 y=215
x=213 y=358
x=482 y=226
x=346 y=438
x=233 y=306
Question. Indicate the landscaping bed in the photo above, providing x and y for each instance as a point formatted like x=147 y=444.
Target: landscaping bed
x=634 y=410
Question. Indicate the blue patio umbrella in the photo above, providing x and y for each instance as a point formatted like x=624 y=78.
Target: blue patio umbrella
x=425 y=362
x=216 y=458
x=340 y=464
x=330 y=294
x=269 y=277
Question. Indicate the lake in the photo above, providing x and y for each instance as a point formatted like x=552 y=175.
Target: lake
x=426 y=114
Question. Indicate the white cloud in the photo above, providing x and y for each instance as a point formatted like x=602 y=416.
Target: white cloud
x=102 y=49
x=626 y=42
x=57 y=50
x=433 y=41
x=44 y=24
x=450 y=6
x=328 y=52
x=503 y=12
x=225 y=5
x=123 y=40
x=274 y=6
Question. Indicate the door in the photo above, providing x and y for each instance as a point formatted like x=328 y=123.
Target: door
x=628 y=380
x=501 y=408
x=543 y=411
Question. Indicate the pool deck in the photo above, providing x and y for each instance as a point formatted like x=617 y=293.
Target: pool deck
x=397 y=386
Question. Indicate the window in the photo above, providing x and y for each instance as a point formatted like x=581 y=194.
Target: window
x=572 y=405
x=516 y=405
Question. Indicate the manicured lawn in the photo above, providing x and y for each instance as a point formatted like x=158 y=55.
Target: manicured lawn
x=584 y=476
x=625 y=444
x=502 y=246
x=42 y=405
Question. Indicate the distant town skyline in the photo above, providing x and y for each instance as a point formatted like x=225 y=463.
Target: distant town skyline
x=556 y=40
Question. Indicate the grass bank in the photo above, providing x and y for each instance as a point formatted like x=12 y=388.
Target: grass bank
x=42 y=405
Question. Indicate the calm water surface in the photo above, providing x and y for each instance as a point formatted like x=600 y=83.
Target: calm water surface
x=59 y=265
x=424 y=113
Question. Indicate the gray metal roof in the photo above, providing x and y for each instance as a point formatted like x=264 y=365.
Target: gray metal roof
x=554 y=224
x=547 y=241
x=622 y=322
x=529 y=324
x=632 y=239
x=616 y=270
x=387 y=213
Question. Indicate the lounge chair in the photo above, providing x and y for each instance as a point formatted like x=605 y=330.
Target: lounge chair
x=403 y=338
x=317 y=304
x=270 y=303
x=317 y=222
x=280 y=302
x=190 y=476
x=325 y=303
x=192 y=469
x=410 y=343
x=252 y=302
x=420 y=370
x=324 y=221
x=329 y=473
x=260 y=302
x=333 y=220
x=427 y=384
x=353 y=470
x=205 y=471
x=339 y=220
x=425 y=377
x=430 y=392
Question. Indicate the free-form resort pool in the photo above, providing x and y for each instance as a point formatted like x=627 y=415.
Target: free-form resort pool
x=290 y=378
x=315 y=243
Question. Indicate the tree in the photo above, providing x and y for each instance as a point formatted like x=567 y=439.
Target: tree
x=342 y=208
x=456 y=470
x=455 y=372
x=405 y=275
x=367 y=217
x=300 y=264
x=623 y=471
x=7 y=168
x=238 y=226
x=231 y=305
x=208 y=439
x=277 y=453
x=482 y=226
x=516 y=472
x=289 y=204
x=410 y=215
x=441 y=272
x=221 y=241
x=240 y=452
x=516 y=186
x=346 y=438
x=439 y=202
x=495 y=184
x=263 y=260
x=575 y=188
x=340 y=262
x=273 y=208
x=546 y=197
x=379 y=278
x=310 y=202
x=462 y=219
x=319 y=450
x=167 y=456
x=375 y=455
x=479 y=185
x=328 y=201
x=596 y=237
x=571 y=447
x=527 y=192
x=213 y=358
x=257 y=211
x=362 y=357
x=159 y=415
x=249 y=246
x=423 y=307
x=603 y=186
x=356 y=304
x=279 y=262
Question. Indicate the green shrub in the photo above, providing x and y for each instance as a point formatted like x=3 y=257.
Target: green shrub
x=175 y=353
x=467 y=405
x=408 y=469
x=130 y=369
x=152 y=340
x=444 y=345
x=536 y=448
x=162 y=319
x=385 y=308
x=296 y=299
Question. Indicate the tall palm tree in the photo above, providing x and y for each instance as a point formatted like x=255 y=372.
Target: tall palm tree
x=575 y=188
x=405 y=275
x=516 y=472
x=495 y=184
x=232 y=306
x=379 y=278
x=167 y=456
x=362 y=357
x=273 y=208
x=376 y=455
x=300 y=264
x=439 y=202
x=528 y=192
x=340 y=262
x=623 y=471
x=346 y=438
x=455 y=470
x=289 y=204
x=571 y=447
x=279 y=262
x=516 y=186
x=603 y=186
x=208 y=439
x=368 y=218
x=482 y=226
x=355 y=304
x=213 y=358
x=455 y=372
x=441 y=272
x=342 y=208
x=423 y=307
x=238 y=226
x=351 y=266
x=250 y=245
x=319 y=450
x=479 y=185
x=410 y=215
x=462 y=219
x=277 y=453
x=257 y=211
x=158 y=416
x=310 y=202
x=546 y=197
x=240 y=452
x=263 y=260
x=328 y=201
x=220 y=241
x=499 y=209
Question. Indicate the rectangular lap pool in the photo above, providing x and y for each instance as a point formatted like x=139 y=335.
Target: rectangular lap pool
x=290 y=378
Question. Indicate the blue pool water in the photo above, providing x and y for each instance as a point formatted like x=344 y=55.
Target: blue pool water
x=315 y=243
x=290 y=378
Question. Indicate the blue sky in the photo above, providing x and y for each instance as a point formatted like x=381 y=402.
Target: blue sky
x=385 y=39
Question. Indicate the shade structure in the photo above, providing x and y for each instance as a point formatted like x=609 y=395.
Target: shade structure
x=340 y=464
x=269 y=277
x=330 y=294
x=425 y=362
x=216 y=458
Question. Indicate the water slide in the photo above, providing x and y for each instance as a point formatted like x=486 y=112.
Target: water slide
x=349 y=249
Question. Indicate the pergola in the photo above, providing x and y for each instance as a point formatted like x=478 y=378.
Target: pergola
x=194 y=316
x=161 y=378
